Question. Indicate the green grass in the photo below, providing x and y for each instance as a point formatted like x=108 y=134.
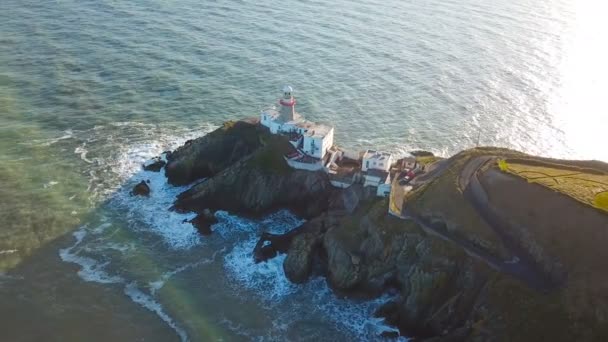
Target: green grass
x=270 y=156
x=427 y=160
x=585 y=185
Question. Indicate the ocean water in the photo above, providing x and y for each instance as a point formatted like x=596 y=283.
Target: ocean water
x=91 y=89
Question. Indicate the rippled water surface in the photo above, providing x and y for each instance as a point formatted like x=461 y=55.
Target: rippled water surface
x=91 y=89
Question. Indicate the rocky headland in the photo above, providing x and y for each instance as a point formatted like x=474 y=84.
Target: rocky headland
x=481 y=252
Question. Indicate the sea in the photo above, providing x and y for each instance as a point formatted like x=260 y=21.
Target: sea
x=91 y=89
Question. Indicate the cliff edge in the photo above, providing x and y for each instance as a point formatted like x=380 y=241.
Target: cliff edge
x=492 y=244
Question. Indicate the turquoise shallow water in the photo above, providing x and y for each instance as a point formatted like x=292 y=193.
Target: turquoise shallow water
x=90 y=89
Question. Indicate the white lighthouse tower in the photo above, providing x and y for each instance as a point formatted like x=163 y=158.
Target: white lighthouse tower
x=311 y=139
x=288 y=105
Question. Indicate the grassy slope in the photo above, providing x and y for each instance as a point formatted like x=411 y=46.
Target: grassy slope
x=583 y=184
x=443 y=200
x=573 y=312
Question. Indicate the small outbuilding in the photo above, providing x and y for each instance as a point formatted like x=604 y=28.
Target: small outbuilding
x=375 y=160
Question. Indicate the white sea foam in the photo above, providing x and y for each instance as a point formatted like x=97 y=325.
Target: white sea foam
x=158 y=284
x=90 y=269
x=351 y=316
x=82 y=151
x=49 y=184
x=8 y=251
x=240 y=264
x=266 y=278
x=151 y=304
x=154 y=211
x=67 y=134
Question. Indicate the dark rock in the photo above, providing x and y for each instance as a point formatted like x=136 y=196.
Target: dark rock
x=298 y=264
x=155 y=165
x=141 y=189
x=390 y=311
x=204 y=221
x=421 y=153
x=260 y=184
x=390 y=335
x=270 y=245
x=208 y=155
x=265 y=252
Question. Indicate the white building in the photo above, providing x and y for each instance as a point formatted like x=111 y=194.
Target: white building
x=374 y=160
x=311 y=138
x=409 y=163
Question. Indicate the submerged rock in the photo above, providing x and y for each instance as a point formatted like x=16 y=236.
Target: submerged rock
x=141 y=189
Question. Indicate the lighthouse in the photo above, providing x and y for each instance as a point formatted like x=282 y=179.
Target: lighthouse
x=288 y=105
x=310 y=138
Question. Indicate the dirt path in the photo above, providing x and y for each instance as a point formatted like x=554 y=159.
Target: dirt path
x=522 y=266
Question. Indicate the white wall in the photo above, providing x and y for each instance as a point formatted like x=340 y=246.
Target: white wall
x=264 y=119
x=304 y=166
x=275 y=127
x=318 y=143
x=328 y=142
x=383 y=190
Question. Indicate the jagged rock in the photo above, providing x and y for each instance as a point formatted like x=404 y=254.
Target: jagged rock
x=141 y=189
x=298 y=264
x=208 y=155
x=261 y=183
x=302 y=245
x=204 y=221
x=155 y=165
x=269 y=245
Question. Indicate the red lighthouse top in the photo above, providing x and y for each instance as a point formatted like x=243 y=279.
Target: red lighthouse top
x=287 y=102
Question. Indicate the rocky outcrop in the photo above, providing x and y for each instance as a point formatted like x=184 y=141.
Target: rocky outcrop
x=259 y=184
x=447 y=277
x=214 y=152
x=368 y=252
x=141 y=189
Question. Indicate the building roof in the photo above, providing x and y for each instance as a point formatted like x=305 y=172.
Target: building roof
x=317 y=130
x=372 y=154
x=311 y=129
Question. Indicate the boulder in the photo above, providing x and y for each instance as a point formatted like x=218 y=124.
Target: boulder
x=155 y=165
x=204 y=221
x=299 y=262
x=141 y=189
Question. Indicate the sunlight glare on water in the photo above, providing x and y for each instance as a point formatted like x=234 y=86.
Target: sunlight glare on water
x=580 y=104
